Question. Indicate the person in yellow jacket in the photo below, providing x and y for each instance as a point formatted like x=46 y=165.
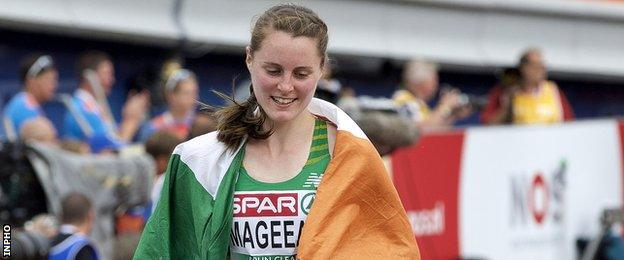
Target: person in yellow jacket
x=285 y=175
x=420 y=86
x=533 y=99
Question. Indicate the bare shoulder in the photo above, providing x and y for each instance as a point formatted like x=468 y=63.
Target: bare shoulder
x=331 y=138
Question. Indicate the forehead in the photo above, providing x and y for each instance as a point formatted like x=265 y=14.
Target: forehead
x=105 y=65
x=187 y=83
x=284 y=49
x=534 y=57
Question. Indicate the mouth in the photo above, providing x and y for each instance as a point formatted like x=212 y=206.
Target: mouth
x=283 y=101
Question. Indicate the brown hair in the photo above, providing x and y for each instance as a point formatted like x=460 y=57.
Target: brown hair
x=161 y=143
x=524 y=57
x=239 y=120
x=75 y=208
x=27 y=63
x=90 y=60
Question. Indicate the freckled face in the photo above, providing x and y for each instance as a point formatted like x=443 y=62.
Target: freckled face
x=284 y=73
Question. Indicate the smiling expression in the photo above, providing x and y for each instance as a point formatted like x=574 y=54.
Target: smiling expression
x=284 y=73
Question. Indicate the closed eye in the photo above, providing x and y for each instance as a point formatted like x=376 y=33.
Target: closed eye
x=273 y=72
x=301 y=75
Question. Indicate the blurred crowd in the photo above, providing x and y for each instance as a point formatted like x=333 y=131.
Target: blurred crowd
x=524 y=95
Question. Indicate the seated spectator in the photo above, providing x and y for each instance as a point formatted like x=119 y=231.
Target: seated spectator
x=40 y=80
x=89 y=113
x=181 y=92
x=160 y=146
x=73 y=241
x=532 y=100
x=420 y=79
x=202 y=124
x=39 y=129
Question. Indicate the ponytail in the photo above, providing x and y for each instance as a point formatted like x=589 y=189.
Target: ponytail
x=237 y=120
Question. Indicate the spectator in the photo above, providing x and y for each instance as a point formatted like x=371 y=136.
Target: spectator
x=420 y=80
x=533 y=100
x=91 y=114
x=39 y=129
x=181 y=92
x=40 y=80
x=160 y=146
x=202 y=124
x=73 y=241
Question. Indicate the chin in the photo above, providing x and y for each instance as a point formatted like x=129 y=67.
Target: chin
x=281 y=117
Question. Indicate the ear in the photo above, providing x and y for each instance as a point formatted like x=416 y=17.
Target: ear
x=248 y=58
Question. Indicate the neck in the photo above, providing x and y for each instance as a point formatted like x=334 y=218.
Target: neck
x=530 y=86
x=177 y=113
x=81 y=228
x=86 y=87
x=32 y=94
x=288 y=134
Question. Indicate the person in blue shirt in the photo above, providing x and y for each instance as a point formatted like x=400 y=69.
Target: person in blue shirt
x=73 y=242
x=39 y=77
x=89 y=114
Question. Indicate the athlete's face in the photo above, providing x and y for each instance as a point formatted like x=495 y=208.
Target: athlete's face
x=284 y=73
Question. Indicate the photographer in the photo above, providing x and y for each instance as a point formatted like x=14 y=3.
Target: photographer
x=420 y=79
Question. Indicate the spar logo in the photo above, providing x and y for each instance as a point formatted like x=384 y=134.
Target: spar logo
x=306 y=202
x=266 y=205
x=538 y=198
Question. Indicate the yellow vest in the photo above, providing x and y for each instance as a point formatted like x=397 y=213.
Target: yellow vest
x=411 y=106
x=538 y=108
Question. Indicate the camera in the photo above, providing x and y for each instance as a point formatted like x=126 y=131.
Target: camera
x=475 y=102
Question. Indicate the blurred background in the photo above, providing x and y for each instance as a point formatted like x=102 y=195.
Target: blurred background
x=498 y=119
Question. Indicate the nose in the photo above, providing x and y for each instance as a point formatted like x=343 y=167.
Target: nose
x=286 y=84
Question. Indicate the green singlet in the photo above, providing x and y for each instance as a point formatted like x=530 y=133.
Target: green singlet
x=268 y=217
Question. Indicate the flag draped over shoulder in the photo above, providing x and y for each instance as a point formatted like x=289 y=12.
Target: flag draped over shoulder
x=356 y=213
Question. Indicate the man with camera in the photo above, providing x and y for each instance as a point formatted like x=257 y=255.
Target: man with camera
x=420 y=79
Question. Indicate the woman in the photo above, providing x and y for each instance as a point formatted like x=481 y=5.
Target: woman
x=181 y=91
x=277 y=161
x=40 y=78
